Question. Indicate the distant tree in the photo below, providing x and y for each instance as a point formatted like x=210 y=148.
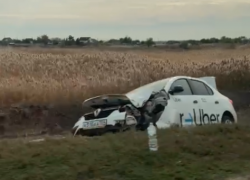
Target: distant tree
x=241 y=40
x=172 y=42
x=43 y=39
x=17 y=41
x=77 y=41
x=56 y=41
x=28 y=40
x=149 y=42
x=214 y=40
x=70 y=40
x=225 y=39
x=142 y=42
x=205 y=41
x=126 y=40
x=237 y=40
x=136 y=42
x=193 y=42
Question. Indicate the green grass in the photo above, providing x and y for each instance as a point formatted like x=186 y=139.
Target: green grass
x=205 y=153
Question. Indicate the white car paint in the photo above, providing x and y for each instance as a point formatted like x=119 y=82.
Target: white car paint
x=179 y=106
x=187 y=108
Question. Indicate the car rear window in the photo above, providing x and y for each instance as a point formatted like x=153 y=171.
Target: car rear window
x=200 y=88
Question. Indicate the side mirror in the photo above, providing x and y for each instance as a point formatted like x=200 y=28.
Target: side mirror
x=176 y=89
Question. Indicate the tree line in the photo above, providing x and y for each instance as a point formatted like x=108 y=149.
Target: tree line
x=70 y=40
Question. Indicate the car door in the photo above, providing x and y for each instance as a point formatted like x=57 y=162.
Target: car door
x=184 y=103
x=209 y=110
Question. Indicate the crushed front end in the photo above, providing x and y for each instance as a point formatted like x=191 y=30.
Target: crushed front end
x=150 y=111
x=102 y=121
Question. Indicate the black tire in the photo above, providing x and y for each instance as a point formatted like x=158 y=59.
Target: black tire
x=227 y=119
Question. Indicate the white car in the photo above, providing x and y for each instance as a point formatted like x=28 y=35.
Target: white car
x=187 y=101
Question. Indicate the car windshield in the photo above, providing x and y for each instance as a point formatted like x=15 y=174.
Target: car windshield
x=152 y=87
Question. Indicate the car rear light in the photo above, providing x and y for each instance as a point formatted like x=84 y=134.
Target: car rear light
x=231 y=101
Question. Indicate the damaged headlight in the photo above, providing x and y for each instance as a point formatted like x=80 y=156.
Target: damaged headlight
x=131 y=110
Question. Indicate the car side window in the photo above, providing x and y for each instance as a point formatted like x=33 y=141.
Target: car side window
x=210 y=91
x=200 y=88
x=184 y=84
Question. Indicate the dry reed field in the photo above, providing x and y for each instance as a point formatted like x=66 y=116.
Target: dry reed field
x=64 y=76
x=68 y=76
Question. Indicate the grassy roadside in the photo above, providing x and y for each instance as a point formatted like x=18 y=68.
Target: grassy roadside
x=201 y=153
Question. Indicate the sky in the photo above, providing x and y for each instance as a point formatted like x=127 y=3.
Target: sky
x=111 y=19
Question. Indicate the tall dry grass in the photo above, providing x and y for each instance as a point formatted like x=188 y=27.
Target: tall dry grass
x=70 y=75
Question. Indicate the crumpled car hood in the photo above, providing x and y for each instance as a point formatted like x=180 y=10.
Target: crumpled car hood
x=140 y=95
x=106 y=101
x=137 y=97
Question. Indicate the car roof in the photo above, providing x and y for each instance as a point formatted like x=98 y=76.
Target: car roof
x=164 y=81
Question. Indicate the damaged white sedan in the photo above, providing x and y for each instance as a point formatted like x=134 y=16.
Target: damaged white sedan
x=176 y=101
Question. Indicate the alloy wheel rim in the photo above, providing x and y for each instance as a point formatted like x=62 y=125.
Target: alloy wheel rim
x=228 y=121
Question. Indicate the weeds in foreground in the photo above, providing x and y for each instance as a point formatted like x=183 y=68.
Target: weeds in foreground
x=204 y=153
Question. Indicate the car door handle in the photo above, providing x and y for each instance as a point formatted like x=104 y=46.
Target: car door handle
x=216 y=102
x=195 y=102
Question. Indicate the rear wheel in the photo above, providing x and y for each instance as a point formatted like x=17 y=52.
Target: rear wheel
x=227 y=119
